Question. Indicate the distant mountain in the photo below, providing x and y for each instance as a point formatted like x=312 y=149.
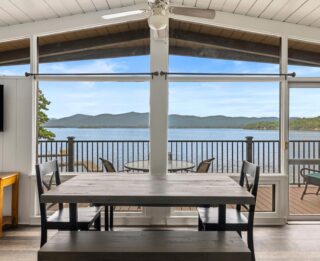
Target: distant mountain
x=141 y=120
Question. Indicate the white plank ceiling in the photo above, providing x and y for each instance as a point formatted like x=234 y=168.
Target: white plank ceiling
x=305 y=12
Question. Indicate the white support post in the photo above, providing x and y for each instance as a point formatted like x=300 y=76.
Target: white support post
x=284 y=124
x=34 y=68
x=159 y=56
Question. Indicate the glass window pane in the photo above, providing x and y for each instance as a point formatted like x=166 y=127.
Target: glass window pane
x=107 y=121
x=200 y=48
x=15 y=57
x=304 y=58
x=217 y=120
x=105 y=49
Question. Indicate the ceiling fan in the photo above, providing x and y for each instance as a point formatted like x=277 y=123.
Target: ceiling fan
x=159 y=11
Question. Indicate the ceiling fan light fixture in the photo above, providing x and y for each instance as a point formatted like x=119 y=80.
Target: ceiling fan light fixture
x=158 y=22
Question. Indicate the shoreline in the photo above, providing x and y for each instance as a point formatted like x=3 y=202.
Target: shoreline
x=179 y=128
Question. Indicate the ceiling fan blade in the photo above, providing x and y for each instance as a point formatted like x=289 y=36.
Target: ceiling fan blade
x=190 y=11
x=123 y=14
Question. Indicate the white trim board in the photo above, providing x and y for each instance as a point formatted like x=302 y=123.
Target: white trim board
x=257 y=25
x=68 y=23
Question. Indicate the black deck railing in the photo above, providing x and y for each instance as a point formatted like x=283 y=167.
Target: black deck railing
x=83 y=155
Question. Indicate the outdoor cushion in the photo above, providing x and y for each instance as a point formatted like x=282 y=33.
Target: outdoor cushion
x=313 y=178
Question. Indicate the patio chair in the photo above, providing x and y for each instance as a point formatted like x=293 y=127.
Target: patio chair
x=312 y=178
x=235 y=219
x=108 y=165
x=204 y=166
x=46 y=174
x=108 y=209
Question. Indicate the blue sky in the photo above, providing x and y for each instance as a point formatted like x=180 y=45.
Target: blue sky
x=202 y=99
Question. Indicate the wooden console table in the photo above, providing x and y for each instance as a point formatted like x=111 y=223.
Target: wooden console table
x=9 y=179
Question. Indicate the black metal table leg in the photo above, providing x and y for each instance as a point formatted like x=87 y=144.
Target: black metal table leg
x=222 y=218
x=73 y=216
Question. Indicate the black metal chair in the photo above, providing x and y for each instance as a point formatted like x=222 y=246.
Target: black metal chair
x=204 y=166
x=108 y=209
x=47 y=173
x=235 y=219
x=311 y=177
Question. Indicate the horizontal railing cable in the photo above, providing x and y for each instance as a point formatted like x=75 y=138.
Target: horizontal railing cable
x=94 y=74
x=162 y=73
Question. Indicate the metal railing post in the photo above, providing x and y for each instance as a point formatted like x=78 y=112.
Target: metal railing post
x=249 y=150
x=70 y=154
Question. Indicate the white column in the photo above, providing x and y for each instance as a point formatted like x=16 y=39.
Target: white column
x=34 y=68
x=284 y=125
x=159 y=56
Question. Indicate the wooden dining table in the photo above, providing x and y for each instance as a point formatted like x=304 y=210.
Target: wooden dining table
x=171 y=190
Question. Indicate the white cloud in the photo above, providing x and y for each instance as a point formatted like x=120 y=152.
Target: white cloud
x=95 y=66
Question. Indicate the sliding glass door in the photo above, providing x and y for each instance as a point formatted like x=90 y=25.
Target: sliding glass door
x=304 y=151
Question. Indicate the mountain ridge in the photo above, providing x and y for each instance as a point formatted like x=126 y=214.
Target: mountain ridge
x=141 y=120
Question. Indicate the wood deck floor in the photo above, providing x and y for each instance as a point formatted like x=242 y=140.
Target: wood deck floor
x=310 y=205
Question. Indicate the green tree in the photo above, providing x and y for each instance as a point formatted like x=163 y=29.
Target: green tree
x=43 y=104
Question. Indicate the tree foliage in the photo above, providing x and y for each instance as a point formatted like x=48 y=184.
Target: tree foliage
x=43 y=104
x=303 y=124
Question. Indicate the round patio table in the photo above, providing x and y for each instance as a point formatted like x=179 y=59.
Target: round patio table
x=173 y=165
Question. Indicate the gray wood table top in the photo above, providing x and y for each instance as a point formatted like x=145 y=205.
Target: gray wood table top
x=150 y=190
x=173 y=165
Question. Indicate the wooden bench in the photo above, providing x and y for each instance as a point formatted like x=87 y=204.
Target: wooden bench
x=144 y=245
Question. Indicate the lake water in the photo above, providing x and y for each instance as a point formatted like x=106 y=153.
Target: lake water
x=228 y=155
x=179 y=134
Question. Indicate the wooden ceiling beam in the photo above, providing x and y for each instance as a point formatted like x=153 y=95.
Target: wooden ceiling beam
x=90 y=55
x=21 y=56
x=225 y=43
x=206 y=52
x=263 y=52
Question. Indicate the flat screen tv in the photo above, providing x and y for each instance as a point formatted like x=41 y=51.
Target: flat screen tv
x=1 y=107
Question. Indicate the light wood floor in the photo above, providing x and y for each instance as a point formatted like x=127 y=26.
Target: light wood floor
x=291 y=242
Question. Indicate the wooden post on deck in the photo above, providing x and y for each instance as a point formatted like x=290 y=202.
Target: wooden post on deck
x=70 y=154
x=249 y=156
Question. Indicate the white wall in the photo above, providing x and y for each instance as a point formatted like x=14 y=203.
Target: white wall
x=16 y=140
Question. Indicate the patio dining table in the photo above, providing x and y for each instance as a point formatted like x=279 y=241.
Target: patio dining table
x=173 y=165
x=171 y=190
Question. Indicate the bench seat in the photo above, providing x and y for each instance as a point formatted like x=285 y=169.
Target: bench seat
x=144 y=245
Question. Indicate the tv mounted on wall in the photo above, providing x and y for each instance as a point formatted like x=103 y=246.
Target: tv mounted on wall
x=1 y=107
